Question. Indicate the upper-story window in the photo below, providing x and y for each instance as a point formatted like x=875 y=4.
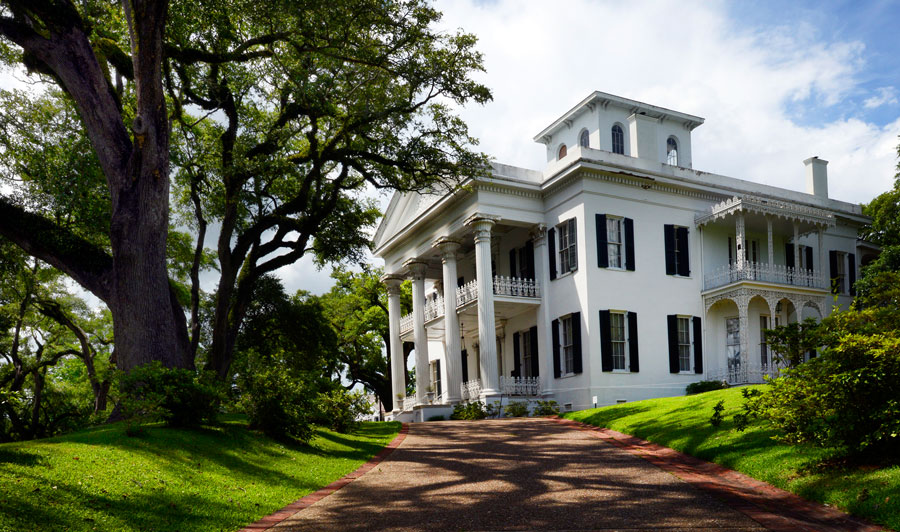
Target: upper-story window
x=568 y=247
x=618 y=139
x=678 y=261
x=584 y=139
x=672 y=151
x=562 y=152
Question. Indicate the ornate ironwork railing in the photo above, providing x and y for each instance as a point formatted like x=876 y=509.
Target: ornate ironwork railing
x=406 y=323
x=515 y=286
x=768 y=273
x=741 y=374
x=470 y=390
x=520 y=385
x=467 y=292
x=434 y=308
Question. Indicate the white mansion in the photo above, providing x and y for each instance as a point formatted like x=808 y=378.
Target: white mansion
x=617 y=273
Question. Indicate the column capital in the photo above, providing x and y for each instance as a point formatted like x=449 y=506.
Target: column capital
x=482 y=222
x=393 y=282
x=538 y=233
x=447 y=246
x=417 y=268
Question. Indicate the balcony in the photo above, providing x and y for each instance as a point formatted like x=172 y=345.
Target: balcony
x=506 y=288
x=764 y=273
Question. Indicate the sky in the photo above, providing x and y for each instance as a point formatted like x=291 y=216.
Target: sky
x=776 y=81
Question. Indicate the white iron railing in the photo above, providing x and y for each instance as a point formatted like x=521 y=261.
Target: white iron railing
x=768 y=273
x=467 y=292
x=515 y=286
x=741 y=374
x=406 y=323
x=470 y=390
x=434 y=308
x=520 y=385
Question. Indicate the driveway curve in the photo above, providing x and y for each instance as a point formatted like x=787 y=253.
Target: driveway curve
x=514 y=474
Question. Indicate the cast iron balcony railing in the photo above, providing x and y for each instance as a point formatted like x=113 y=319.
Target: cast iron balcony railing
x=767 y=273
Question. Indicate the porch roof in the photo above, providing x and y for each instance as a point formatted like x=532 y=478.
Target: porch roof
x=766 y=206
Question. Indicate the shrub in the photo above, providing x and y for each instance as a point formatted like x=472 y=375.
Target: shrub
x=278 y=404
x=716 y=419
x=546 y=408
x=516 y=409
x=704 y=386
x=473 y=410
x=340 y=410
x=848 y=398
x=435 y=418
x=179 y=397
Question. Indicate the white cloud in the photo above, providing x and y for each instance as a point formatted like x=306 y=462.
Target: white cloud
x=883 y=95
x=749 y=84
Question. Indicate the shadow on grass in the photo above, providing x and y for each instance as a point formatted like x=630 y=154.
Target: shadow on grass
x=20 y=457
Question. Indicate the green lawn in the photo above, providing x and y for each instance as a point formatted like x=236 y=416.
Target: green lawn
x=218 y=478
x=682 y=423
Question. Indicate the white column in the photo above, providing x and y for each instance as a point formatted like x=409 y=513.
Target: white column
x=398 y=371
x=417 y=269
x=743 y=303
x=771 y=243
x=452 y=360
x=487 y=328
x=739 y=240
x=544 y=320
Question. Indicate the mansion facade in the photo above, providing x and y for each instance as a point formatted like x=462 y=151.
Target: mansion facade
x=617 y=273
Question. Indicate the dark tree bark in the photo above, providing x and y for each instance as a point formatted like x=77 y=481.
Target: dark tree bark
x=148 y=322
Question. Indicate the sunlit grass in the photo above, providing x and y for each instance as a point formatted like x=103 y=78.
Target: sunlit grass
x=217 y=478
x=682 y=423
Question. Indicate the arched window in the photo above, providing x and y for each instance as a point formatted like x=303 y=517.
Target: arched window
x=672 y=151
x=562 y=152
x=618 y=139
x=585 y=139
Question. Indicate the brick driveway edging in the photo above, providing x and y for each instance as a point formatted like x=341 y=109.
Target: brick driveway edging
x=773 y=508
x=271 y=520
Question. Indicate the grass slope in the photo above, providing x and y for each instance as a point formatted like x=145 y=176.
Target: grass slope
x=682 y=423
x=218 y=478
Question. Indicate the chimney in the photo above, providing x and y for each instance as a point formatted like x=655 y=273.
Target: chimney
x=816 y=177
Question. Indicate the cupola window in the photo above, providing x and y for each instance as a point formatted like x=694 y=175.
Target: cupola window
x=585 y=139
x=562 y=152
x=672 y=151
x=618 y=139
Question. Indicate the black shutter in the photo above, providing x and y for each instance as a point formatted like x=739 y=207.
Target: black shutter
x=437 y=375
x=633 y=343
x=674 y=366
x=789 y=255
x=851 y=272
x=606 y=360
x=698 y=345
x=551 y=248
x=669 y=232
x=576 y=342
x=602 y=252
x=465 y=365
x=535 y=366
x=833 y=263
x=529 y=259
x=512 y=263
x=629 y=244
x=684 y=259
x=517 y=357
x=554 y=327
x=809 y=258
x=573 y=245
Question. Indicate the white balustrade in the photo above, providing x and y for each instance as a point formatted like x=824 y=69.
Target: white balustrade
x=406 y=323
x=434 y=308
x=515 y=286
x=740 y=374
x=466 y=293
x=768 y=273
x=520 y=385
x=470 y=390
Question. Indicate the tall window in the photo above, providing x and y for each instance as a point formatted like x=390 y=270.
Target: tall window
x=562 y=152
x=733 y=343
x=527 y=353
x=568 y=250
x=672 y=151
x=618 y=139
x=763 y=344
x=614 y=241
x=619 y=340
x=584 y=139
x=678 y=260
x=684 y=343
x=840 y=278
x=568 y=345
x=436 y=378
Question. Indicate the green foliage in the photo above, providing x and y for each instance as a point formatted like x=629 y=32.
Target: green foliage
x=716 y=419
x=278 y=404
x=179 y=397
x=516 y=409
x=704 y=386
x=223 y=477
x=341 y=410
x=546 y=408
x=435 y=418
x=471 y=410
x=790 y=343
x=885 y=212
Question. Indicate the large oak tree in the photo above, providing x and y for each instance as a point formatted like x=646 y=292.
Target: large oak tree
x=284 y=112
